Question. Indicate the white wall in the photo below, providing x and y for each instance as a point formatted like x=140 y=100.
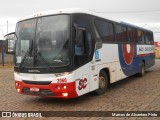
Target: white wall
x=1 y=35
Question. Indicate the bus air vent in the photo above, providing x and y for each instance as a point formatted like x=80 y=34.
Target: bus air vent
x=37 y=82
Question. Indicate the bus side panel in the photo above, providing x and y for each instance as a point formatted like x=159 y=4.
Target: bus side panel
x=127 y=58
x=146 y=53
x=82 y=79
x=132 y=55
x=109 y=59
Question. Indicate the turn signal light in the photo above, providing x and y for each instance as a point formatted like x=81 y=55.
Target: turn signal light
x=64 y=87
x=17 y=84
x=58 y=87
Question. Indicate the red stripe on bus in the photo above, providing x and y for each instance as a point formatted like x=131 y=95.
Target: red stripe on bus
x=148 y=54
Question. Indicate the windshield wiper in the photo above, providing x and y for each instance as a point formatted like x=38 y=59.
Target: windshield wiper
x=43 y=59
x=27 y=53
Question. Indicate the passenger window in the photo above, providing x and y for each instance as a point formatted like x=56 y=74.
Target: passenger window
x=149 y=38
x=105 y=30
x=121 y=34
x=132 y=34
x=141 y=37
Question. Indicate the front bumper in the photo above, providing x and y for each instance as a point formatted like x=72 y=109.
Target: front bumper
x=53 y=90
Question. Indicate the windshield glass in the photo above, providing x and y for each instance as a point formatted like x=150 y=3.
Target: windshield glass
x=25 y=33
x=50 y=38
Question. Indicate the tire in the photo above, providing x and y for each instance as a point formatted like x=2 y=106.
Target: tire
x=142 y=70
x=103 y=83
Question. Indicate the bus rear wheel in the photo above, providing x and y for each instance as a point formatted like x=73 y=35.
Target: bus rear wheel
x=103 y=83
x=142 y=70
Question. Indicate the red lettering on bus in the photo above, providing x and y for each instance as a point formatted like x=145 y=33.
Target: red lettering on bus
x=82 y=84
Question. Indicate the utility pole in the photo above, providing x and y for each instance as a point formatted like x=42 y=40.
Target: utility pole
x=7 y=27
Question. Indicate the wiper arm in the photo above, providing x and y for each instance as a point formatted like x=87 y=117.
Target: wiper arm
x=43 y=59
x=25 y=56
x=27 y=53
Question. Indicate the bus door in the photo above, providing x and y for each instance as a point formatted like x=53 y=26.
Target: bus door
x=83 y=50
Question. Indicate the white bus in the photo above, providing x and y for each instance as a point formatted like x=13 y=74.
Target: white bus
x=70 y=52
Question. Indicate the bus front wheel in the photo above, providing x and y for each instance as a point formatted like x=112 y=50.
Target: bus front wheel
x=103 y=83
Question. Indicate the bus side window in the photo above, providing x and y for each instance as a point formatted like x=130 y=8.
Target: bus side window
x=105 y=30
x=147 y=38
x=150 y=38
x=141 y=37
x=132 y=34
x=121 y=34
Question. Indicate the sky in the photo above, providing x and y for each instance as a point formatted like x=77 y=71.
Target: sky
x=144 y=13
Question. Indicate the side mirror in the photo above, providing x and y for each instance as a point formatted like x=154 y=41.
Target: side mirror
x=98 y=44
x=10 y=40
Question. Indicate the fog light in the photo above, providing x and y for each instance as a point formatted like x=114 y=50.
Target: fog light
x=18 y=90
x=58 y=87
x=65 y=94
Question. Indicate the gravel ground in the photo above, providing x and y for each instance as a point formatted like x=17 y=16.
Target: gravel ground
x=131 y=94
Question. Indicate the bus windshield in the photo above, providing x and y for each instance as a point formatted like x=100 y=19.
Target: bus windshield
x=47 y=39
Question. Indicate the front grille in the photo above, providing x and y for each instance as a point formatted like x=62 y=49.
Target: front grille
x=42 y=92
x=37 y=82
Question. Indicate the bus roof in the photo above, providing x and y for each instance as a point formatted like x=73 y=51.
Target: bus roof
x=135 y=26
x=77 y=10
x=66 y=11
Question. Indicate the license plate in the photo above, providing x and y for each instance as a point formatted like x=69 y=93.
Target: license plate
x=34 y=89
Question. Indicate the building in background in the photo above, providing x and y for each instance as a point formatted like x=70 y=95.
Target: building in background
x=1 y=44
x=157 y=49
x=1 y=38
x=156 y=44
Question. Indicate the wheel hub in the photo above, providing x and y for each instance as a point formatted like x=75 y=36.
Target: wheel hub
x=102 y=82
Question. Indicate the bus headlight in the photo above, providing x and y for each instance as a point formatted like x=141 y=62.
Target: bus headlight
x=18 y=90
x=65 y=94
